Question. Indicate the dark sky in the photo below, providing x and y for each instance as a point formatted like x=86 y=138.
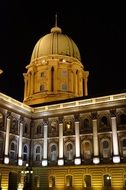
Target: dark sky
x=98 y=30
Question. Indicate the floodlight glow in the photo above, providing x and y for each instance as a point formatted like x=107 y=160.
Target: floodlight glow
x=20 y=162
x=77 y=161
x=116 y=159
x=96 y=160
x=6 y=160
x=60 y=162
x=44 y=163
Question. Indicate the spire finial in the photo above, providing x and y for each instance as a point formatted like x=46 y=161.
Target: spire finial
x=56 y=20
x=56 y=28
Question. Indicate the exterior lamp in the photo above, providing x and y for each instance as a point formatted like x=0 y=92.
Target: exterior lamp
x=27 y=177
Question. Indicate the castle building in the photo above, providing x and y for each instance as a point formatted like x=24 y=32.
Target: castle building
x=58 y=138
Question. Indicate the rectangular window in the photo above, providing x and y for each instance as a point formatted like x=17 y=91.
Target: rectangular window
x=42 y=74
x=42 y=88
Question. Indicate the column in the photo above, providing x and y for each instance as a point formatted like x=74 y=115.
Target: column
x=20 y=143
x=44 y=161
x=77 y=160
x=8 y=123
x=96 y=159
x=29 y=83
x=85 y=83
x=32 y=82
x=25 y=85
x=61 y=160
x=116 y=157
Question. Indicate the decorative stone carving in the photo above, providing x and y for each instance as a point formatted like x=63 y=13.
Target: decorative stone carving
x=94 y=115
x=113 y=113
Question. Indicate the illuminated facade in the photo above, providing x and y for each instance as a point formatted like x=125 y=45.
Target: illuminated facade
x=75 y=142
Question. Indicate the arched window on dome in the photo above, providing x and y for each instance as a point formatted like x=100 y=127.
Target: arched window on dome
x=64 y=87
x=42 y=88
x=52 y=79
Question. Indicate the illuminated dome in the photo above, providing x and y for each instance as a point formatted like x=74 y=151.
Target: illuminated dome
x=55 y=43
x=55 y=71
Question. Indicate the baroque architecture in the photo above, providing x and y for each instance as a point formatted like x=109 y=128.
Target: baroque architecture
x=58 y=138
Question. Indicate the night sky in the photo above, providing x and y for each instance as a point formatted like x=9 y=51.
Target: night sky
x=99 y=33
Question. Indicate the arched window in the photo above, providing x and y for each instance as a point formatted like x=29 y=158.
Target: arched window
x=105 y=149
x=25 y=128
x=25 y=153
x=87 y=150
x=105 y=144
x=42 y=88
x=69 y=181
x=107 y=181
x=53 y=153
x=64 y=87
x=14 y=126
x=0 y=179
x=13 y=149
x=38 y=131
x=37 y=153
x=104 y=121
x=52 y=181
x=124 y=180
x=86 y=124
x=37 y=181
x=69 y=151
x=87 y=181
x=124 y=143
x=122 y=119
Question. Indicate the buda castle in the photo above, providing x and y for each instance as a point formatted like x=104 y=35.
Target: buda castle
x=58 y=138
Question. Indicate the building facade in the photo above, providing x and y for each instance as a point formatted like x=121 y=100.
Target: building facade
x=58 y=138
